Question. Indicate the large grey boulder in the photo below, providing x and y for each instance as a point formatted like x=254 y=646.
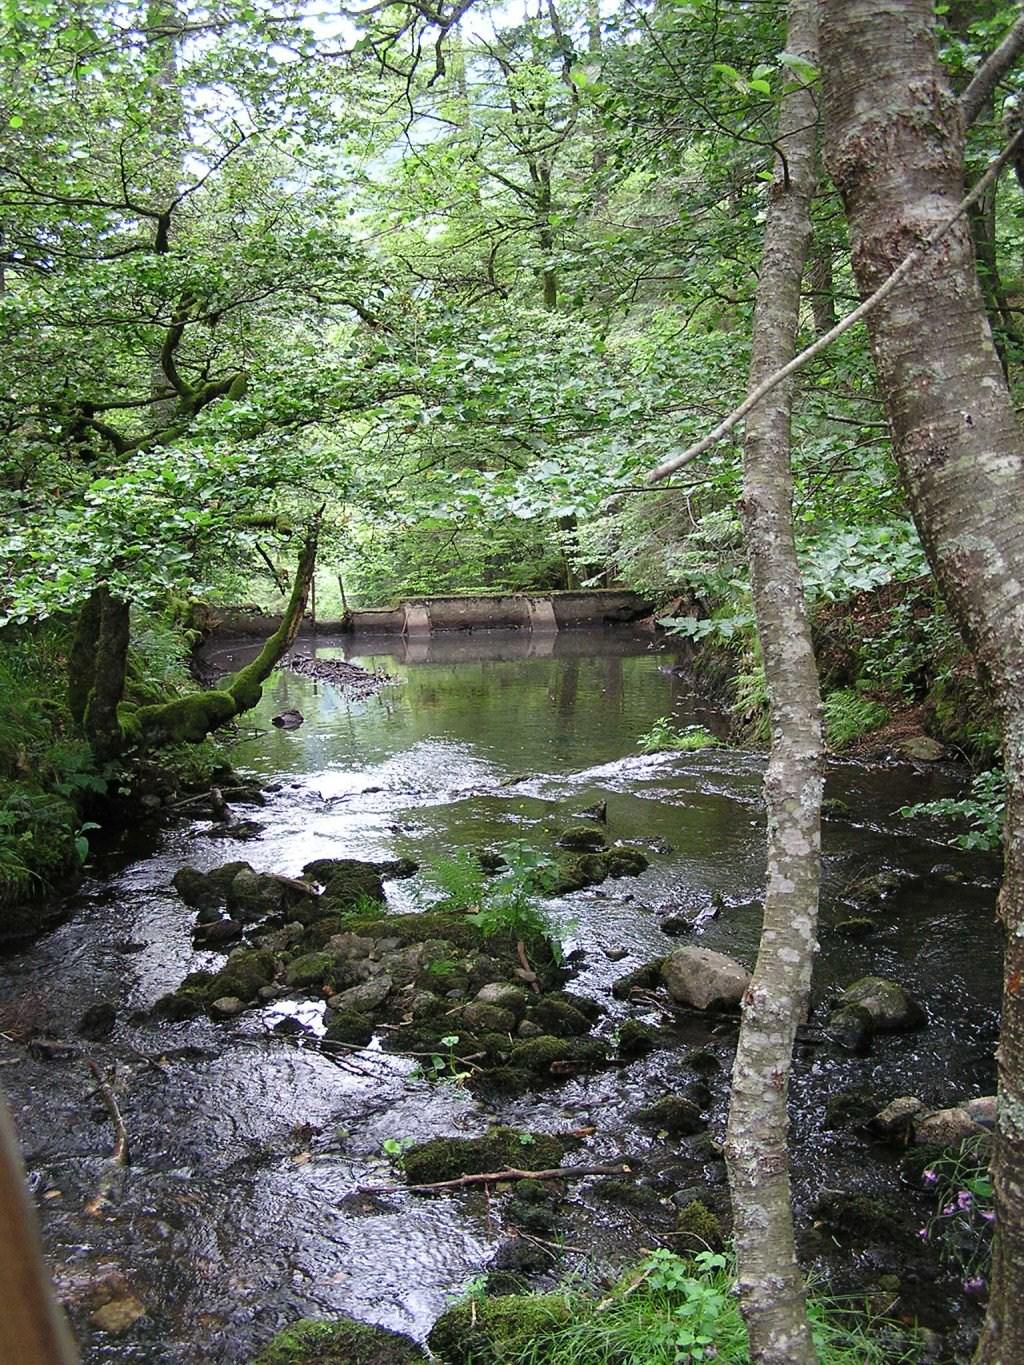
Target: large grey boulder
x=701 y=977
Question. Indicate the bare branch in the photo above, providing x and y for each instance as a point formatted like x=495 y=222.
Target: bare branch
x=904 y=268
x=991 y=72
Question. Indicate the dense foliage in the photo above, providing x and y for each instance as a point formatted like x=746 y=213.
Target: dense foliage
x=462 y=277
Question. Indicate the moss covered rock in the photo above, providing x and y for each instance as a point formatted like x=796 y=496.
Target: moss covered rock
x=499 y=1149
x=493 y=1330
x=539 y=1055
x=698 y=1229
x=312 y=969
x=673 y=1114
x=351 y=1027
x=339 y=1342
x=586 y=840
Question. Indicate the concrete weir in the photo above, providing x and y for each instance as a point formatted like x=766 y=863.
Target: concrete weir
x=544 y=613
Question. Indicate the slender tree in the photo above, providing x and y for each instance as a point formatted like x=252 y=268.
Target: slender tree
x=771 y=1284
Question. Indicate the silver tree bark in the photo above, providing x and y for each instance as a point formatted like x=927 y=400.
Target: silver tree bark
x=771 y=1284
x=894 y=146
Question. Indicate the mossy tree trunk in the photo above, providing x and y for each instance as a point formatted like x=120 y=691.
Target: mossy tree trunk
x=96 y=670
x=190 y=719
x=770 y=1282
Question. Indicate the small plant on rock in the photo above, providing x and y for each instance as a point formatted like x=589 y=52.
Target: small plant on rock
x=663 y=735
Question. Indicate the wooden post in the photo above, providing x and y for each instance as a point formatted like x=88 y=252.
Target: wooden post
x=32 y=1327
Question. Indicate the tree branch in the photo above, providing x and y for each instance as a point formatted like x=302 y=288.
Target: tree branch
x=798 y=362
x=991 y=72
x=501 y=1177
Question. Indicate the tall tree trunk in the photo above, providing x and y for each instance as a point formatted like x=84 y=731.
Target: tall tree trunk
x=771 y=1285
x=895 y=148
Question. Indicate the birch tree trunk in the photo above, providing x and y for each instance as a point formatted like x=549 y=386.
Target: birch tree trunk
x=771 y=1284
x=895 y=145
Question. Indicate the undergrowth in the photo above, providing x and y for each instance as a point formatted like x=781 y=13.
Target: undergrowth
x=983 y=810
x=507 y=902
x=674 y=1311
x=848 y=715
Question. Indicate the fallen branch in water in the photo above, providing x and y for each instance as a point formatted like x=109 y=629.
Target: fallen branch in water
x=119 y=1156
x=501 y=1177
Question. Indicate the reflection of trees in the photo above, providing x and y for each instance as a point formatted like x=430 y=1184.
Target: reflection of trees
x=613 y=693
x=567 y=683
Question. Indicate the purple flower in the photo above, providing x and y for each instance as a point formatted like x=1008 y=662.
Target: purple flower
x=949 y=1210
x=923 y=1234
x=964 y=1199
x=974 y=1285
x=929 y=1178
x=989 y=1215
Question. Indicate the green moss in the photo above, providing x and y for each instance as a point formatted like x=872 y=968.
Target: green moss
x=629 y=1194
x=349 y=1026
x=245 y=972
x=558 y=1017
x=698 y=1229
x=539 y=1054
x=625 y=862
x=311 y=969
x=636 y=1039
x=489 y=1331
x=184 y=720
x=340 y=1342
x=499 y=1149
x=675 y=1115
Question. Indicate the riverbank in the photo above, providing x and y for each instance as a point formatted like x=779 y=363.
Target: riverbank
x=248 y=1202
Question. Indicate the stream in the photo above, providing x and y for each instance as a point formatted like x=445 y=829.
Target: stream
x=244 y=1205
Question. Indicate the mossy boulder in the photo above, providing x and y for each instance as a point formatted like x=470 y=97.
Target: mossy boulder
x=312 y=969
x=499 y=1149
x=479 y=1016
x=856 y=1219
x=625 y=862
x=575 y=874
x=346 y=881
x=206 y=889
x=891 y=1008
x=491 y=1331
x=557 y=1016
x=672 y=1114
x=242 y=976
x=645 y=978
x=349 y=1026
x=637 y=1039
x=533 y=1207
x=339 y=1342
x=698 y=1229
x=630 y=1194
x=585 y=840
x=539 y=1055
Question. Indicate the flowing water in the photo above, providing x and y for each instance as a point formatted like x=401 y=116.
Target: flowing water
x=245 y=1203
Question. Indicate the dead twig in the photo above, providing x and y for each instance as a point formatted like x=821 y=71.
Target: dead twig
x=119 y=1157
x=502 y=1177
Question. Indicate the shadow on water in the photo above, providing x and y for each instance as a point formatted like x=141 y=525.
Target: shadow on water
x=244 y=1205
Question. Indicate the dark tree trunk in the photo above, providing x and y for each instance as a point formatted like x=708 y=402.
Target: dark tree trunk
x=770 y=1281
x=895 y=147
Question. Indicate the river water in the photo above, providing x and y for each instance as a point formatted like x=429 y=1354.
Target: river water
x=243 y=1206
